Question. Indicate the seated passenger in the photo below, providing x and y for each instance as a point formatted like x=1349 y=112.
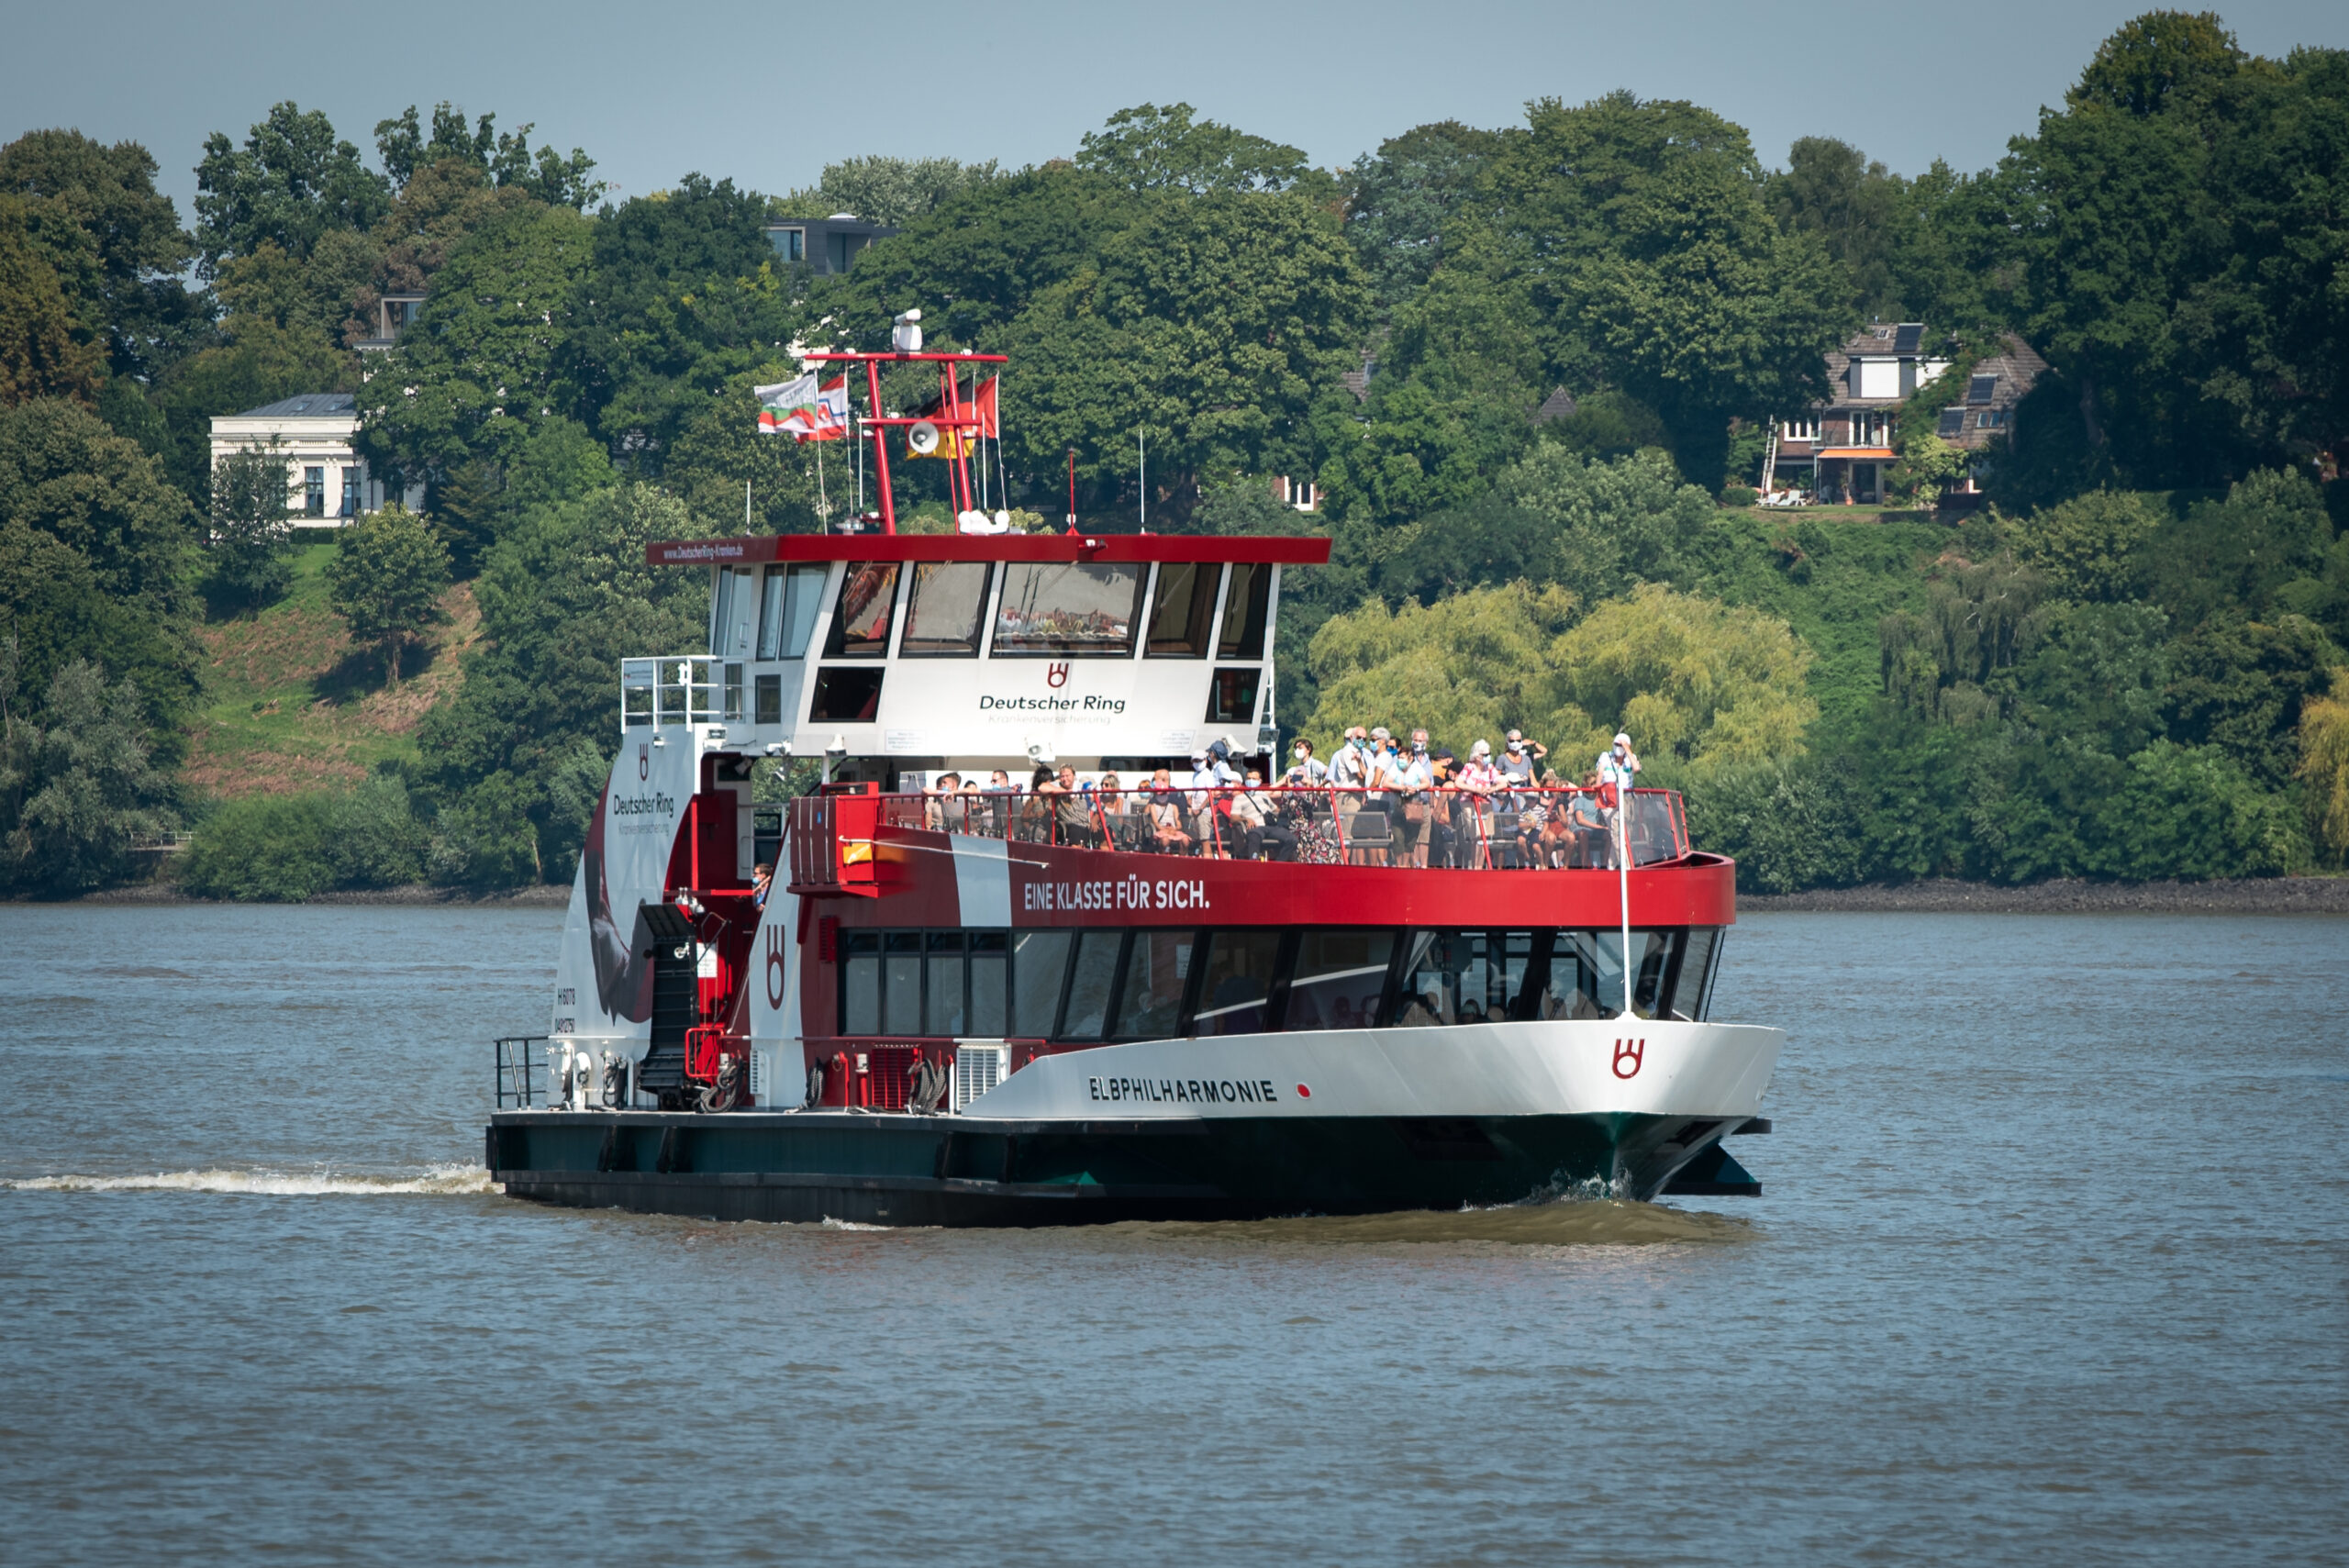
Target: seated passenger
x=1589 y=825
x=1471 y=1010
x=1170 y=832
x=1241 y=821
x=941 y=812
x=1422 y=1012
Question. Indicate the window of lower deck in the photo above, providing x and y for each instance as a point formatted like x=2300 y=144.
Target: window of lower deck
x=1339 y=977
x=1236 y=983
x=1150 y=1003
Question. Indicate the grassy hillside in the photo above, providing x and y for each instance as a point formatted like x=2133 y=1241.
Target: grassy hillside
x=290 y=705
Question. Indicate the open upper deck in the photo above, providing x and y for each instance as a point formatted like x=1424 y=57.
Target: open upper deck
x=911 y=651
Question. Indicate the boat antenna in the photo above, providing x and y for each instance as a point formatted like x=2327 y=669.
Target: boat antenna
x=1141 y=477
x=1071 y=490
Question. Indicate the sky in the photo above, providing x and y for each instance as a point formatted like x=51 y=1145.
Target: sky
x=769 y=93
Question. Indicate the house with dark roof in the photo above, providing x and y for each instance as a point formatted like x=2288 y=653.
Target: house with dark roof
x=1842 y=449
x=326 y=482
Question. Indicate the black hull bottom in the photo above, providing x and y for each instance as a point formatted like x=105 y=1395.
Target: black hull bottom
x=959 y=1171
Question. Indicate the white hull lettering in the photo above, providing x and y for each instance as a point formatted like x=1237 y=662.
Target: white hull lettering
x=1125 y=893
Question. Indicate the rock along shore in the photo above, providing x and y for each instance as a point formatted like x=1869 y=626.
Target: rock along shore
x=2242 y=896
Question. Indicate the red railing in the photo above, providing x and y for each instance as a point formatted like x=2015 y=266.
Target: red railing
x=1533 y=829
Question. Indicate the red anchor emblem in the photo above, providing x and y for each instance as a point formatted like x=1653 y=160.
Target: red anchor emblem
x=1630 y=1050
x=643 y=761
x=1056 y=675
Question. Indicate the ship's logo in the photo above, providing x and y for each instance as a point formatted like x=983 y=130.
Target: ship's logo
x=1630 y=1050
x=776 y=973
x=1056 y=675
x=643 y=760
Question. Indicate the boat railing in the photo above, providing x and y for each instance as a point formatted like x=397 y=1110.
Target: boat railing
x=682 y=688
x=1555 y=828
x=518 y=1085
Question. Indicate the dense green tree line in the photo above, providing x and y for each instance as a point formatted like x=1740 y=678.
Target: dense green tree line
x=2125 y=668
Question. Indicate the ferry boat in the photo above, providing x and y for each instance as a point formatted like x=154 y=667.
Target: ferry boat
x=1001 y=1007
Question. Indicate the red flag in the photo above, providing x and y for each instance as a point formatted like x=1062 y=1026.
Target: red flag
x=983 y=404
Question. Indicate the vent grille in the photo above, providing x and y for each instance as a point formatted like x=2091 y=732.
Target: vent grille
x=978 y=1069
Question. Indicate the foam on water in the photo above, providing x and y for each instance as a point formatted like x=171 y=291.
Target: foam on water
x=1570 y=1222
x=437 y=1180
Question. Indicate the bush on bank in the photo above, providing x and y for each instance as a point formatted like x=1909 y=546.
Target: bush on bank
x=285 y=848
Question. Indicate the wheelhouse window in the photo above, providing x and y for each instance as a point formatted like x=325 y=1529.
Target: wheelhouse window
x=733 y=612
x=1247 y=604
x=1078 y=609
x=1182 y=609
x=860 y=619
x=787 y=609
x=943 y=607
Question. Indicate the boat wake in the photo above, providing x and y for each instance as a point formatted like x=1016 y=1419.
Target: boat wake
x=1567 y=1221
x=436 y=1180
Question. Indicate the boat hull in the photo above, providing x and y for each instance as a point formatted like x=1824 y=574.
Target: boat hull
x=895 y=1170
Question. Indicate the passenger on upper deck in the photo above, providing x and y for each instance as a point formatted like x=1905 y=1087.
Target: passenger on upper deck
x=1308 y=773
x=1169 y=831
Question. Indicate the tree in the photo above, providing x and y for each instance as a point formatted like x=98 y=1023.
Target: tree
x=292 y=181
x=77 y=788
x=1148 y=149
x=2323 y=770
x=893 y=192
x=44 y=350
x=681 y=296
x=1400 y=202
x=2156 y=60
x=1653 y=259
x=108 y=192
x=1218 y=330
x=64 y=474
x=251 y=528
x=1859 y=210
x=386 y=579
x=504 y=157
x=1702 y=687
x=477 y=369
x=567 y=595
x=2087 y=547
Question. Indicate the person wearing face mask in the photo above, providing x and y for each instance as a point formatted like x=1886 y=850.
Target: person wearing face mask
x=1349 y=776
x=1308 y=773
x=1414 y=776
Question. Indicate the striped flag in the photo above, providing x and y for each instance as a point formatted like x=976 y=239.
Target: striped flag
x=804 y=410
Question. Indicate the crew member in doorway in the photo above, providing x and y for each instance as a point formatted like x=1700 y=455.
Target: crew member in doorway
x=762 y=878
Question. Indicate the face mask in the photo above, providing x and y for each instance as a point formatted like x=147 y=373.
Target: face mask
x=1300 y=756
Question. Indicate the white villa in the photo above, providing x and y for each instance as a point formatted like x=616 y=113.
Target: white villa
x=326 y=482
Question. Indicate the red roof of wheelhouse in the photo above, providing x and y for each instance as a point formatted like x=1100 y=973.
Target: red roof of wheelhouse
x=1107 y=548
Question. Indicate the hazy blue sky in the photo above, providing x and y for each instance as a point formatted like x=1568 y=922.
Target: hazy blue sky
x=770 y=92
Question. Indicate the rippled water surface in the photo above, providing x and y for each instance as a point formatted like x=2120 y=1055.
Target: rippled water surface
x=2052 y=1268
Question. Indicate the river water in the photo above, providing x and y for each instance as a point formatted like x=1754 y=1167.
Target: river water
x=2051 y=1268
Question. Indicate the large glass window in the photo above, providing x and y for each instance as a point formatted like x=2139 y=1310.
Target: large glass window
x=1078 y=609
x=787 y=609
x=1182 y=609
x=943 y=608
x=1339 y=978
x=734 y=609
x=1039 y=963
x=1466 y=977
x=1149 y=1007
x=860 y=619
x=1586 y=973
x=901 y=983
x=988 y=1019
x=1090 y=974
x=860 y=984
x=1236 y=982
x=1247 y=604
x=1692 y=983
x=943 y=1012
